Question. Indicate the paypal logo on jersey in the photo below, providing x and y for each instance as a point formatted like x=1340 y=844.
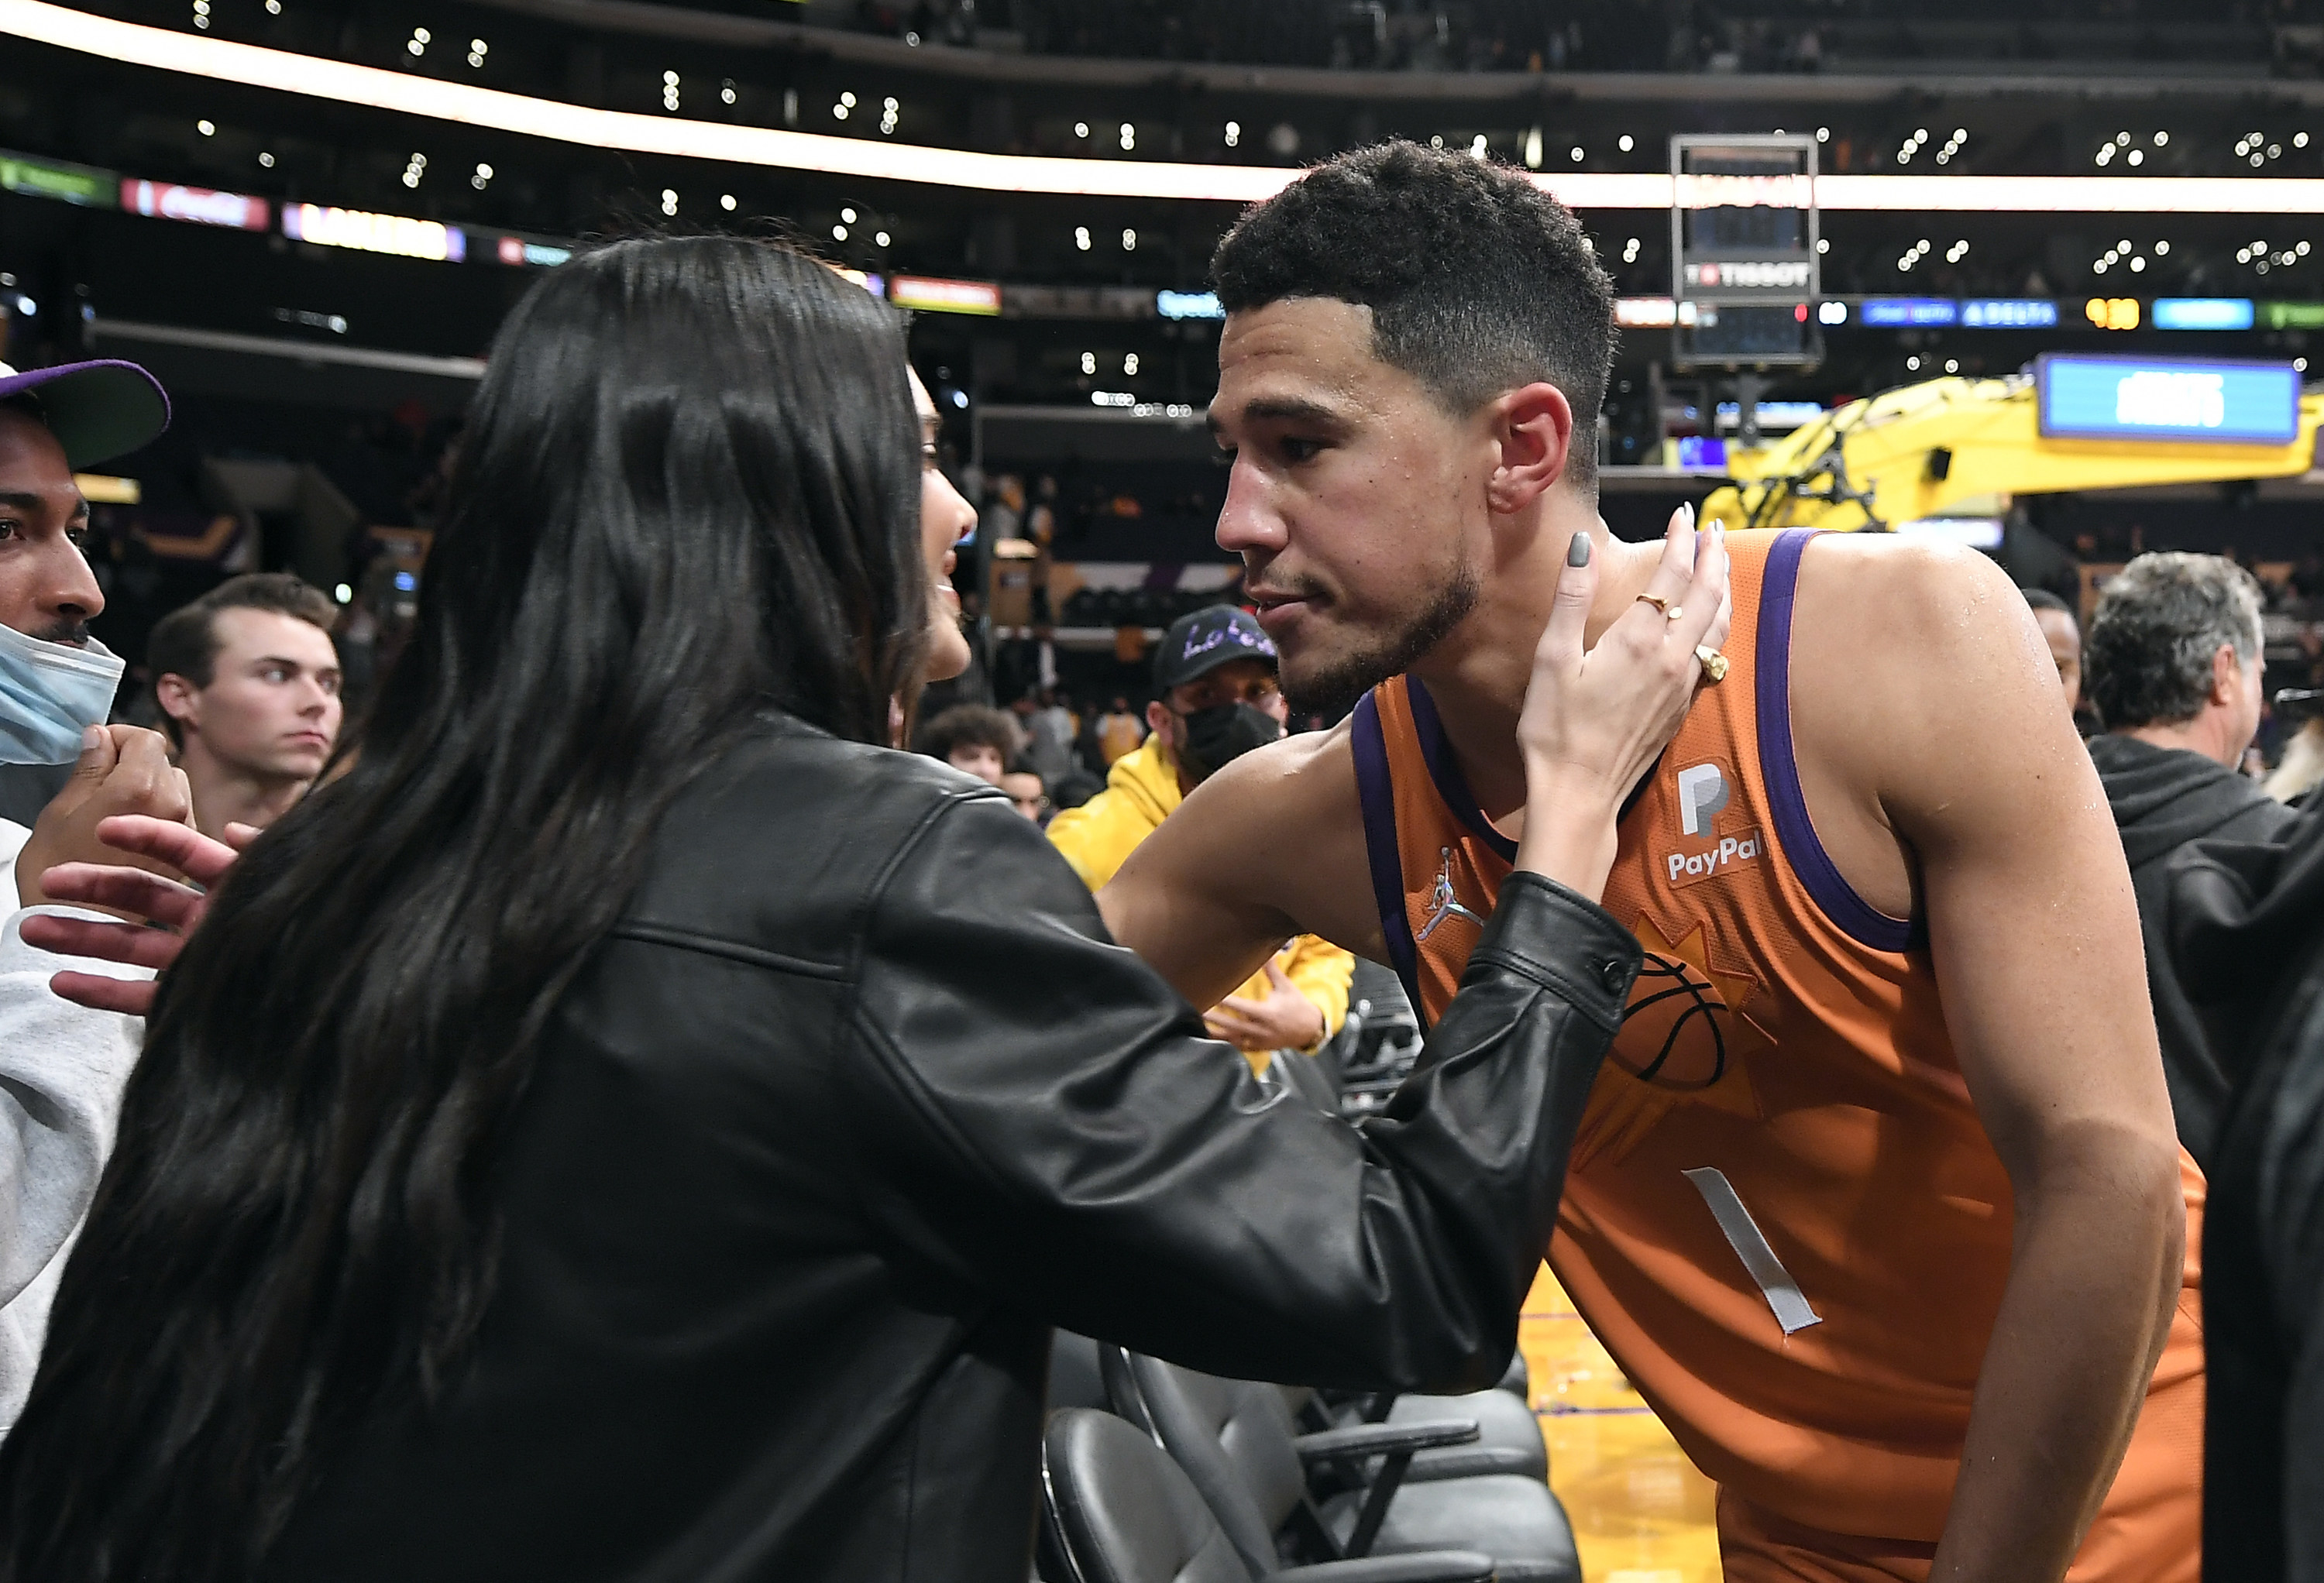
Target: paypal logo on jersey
x=1706 y=851
x=1702 y=791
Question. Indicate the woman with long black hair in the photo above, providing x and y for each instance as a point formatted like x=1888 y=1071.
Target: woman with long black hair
x=632 y=1124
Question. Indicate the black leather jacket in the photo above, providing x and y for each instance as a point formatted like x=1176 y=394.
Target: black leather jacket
x=855 y=1104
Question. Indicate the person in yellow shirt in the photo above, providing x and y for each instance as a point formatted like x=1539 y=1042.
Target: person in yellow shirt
x=1216 y=698
x=1119 y=732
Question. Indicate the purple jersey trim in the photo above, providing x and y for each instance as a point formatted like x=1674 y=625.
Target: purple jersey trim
x=1376 y=791
x=1445 y=771
x=1781 y=772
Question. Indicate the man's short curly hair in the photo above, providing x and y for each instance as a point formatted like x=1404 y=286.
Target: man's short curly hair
x=1478 y=281
x=2159 y=622
x=968 y=725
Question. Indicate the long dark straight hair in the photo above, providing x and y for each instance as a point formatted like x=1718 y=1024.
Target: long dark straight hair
x=689 y=494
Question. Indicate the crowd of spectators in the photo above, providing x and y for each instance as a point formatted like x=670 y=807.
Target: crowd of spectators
x=1602 y=35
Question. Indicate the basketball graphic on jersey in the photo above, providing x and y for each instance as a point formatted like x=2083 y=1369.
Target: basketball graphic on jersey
x=1674 y=1028
x=1685 y=1031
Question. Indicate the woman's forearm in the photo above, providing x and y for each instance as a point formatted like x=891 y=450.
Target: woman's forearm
x=1569 y=835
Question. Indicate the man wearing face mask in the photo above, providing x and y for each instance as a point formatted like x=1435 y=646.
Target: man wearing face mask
x=1215 y=700
x=61 y=769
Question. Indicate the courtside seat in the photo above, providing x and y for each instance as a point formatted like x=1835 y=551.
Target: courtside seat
x=1118 y=1510
x=1237 y=1444
x=1073 y=1378
x=1509 y=1436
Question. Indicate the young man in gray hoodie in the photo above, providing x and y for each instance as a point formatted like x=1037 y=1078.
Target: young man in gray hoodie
x=2172 y=663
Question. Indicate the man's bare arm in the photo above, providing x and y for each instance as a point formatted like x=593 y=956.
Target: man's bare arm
x=2035 y=937
x=1269 y=847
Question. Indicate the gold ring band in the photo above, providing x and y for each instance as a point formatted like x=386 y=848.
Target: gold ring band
x=1669 y=610
x=1715 y=664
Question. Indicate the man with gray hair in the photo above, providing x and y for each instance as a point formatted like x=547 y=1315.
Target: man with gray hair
x=2172 y=664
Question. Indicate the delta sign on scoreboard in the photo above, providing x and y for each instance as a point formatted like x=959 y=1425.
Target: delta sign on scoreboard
x=2222 y=400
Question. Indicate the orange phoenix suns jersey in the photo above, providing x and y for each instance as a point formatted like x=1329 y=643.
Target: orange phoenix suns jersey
x=1783 y=1215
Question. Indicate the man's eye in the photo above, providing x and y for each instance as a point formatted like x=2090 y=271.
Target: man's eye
x=1300 y=450
x=10 y=528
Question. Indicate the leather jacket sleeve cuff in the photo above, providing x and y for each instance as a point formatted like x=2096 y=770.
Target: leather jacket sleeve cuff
x=1563 y=942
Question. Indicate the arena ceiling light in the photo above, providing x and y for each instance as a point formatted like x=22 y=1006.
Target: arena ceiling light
x=314 y=77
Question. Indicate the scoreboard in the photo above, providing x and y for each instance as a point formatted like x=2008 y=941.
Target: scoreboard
x=1744 y=259
x=2220 y=400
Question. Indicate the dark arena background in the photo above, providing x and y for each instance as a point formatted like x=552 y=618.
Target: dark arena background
x=2041 y=277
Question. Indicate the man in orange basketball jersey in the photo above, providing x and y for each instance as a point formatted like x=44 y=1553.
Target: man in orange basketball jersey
x=1877 y=1197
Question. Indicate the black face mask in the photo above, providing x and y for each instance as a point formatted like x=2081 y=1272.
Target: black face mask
x=1218 y=736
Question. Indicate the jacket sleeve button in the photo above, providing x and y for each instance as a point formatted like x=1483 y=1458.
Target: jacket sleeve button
x=1613 y=976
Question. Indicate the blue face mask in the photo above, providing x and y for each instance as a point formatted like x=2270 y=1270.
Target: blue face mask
x=50 y=693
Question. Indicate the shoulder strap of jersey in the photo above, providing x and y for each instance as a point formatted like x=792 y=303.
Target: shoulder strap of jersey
x=1376 y=791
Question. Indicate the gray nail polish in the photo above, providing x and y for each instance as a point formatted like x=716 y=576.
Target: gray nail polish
x=1577 y=554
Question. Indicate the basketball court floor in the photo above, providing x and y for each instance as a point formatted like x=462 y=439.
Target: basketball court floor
x=1641 y=1512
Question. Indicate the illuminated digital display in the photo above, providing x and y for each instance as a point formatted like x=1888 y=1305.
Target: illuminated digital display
x=937 y=295
x=81 y=184
x=2100 y=397
x=368 y=233
x=1904 y=312
x=1188 y=305
x=198 y=204
x=1985 y=313
x=1777 y=275
x=2202 y=313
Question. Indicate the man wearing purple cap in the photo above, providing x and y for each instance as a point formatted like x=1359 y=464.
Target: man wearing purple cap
x=1215 y=699
x=61 y=769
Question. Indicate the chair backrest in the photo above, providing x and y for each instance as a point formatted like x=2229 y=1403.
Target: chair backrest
x=1121 y=1511
x=1073 y=1378
x=1234 y=1439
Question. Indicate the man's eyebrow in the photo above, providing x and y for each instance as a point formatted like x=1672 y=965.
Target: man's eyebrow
x=27 y=501
x=1287 y=409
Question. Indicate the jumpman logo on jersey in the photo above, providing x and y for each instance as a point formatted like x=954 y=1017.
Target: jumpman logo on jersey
x=1444 y=901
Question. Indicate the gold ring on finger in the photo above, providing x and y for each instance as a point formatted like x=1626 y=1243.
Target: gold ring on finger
x=1669 y=610
x=1715 y=664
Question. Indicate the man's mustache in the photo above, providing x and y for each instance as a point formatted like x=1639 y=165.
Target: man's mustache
x=73 y=631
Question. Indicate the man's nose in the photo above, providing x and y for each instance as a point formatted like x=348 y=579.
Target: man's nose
x=69 y=590
x=1249 y=520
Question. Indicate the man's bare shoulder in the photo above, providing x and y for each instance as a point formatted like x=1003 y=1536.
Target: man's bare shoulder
x=1916 y=674
x=1915 y=664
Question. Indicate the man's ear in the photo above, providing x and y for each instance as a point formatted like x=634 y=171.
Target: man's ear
x=1158 y=719
x=2226 y=674
x=1534 y=426
x=179 y=699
